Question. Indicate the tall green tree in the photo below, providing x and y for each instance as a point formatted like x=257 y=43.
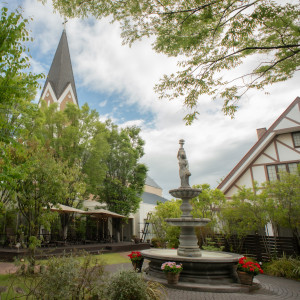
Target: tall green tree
x=40 y=187
x=207 y=204
x=284 y=202
x=17 y=90
x=125 y=177
x=77 y=137
x=244 y=214
x=78 y=141
x=164 y=232
x=209 y=38
x=17 y=85
x=72 y=192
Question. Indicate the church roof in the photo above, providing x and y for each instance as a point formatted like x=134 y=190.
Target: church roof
x=61 y=72
x=151 y=182
x=152 y=198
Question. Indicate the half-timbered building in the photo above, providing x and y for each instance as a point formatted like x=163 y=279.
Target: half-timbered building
x=277 y=149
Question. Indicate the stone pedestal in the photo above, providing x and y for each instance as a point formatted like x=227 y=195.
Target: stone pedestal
x=188 y=242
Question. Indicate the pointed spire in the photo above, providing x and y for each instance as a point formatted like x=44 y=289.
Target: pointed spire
x=61 y=73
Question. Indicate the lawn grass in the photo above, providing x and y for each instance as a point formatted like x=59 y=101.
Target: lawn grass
x=12 y=281
x=107 y=258
x=113 y=258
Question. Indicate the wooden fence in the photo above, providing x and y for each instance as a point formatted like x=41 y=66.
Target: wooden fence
x=262 y=248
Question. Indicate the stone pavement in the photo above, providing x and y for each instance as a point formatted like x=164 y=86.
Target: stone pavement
x=273 y=288
x=7 y=268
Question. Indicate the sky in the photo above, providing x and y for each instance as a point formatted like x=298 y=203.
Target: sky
x=118 y=80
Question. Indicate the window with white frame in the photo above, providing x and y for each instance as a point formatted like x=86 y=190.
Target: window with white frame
x=274 y=170
x=296 y=138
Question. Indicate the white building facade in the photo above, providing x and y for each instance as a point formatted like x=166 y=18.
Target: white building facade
x=151 y=196
x=277 y=149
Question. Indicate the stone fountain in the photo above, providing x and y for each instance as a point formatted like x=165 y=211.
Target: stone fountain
x=202 y=270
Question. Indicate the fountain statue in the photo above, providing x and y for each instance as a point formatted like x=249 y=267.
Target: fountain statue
x=184 y=172
x=188 y=240
x=202 y=270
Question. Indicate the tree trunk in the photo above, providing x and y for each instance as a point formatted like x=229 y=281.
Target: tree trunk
x=65 y=220
x=65 y=231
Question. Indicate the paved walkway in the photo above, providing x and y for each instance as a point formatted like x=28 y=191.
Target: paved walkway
x=7 y=268
x=273 y=288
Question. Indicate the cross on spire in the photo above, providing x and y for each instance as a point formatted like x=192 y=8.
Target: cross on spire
x=64 y=23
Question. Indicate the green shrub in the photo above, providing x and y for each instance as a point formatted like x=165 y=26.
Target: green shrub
x=126 y=285
x=284 y=267
x=70 y=278
x=211 y=245
x=173 y=242
x=156 y=242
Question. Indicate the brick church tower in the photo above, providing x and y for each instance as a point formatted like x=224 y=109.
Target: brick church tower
x=60 y=85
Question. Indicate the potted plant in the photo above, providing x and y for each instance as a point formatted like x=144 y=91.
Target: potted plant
x=135 y=239
x=137 y=260
x=172 y=271
x=247 y=269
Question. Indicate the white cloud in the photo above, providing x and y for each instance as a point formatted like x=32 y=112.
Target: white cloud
x=103 y=103
x=138 y=123
x=214 y=143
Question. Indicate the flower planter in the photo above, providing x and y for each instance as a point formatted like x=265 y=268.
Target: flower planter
x=137 y=265
x=172 y=278
x=245 y=278
x=172 y=271
x=247 y=269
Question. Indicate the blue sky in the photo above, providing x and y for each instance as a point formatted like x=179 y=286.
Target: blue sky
x=118 y=82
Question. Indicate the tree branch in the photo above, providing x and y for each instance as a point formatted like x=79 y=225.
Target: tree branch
x=256 y=48
x=192 y=10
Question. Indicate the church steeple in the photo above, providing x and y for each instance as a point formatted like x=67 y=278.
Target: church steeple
x=60 y=85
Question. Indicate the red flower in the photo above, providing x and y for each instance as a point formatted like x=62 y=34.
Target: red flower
x=135 y=256
x=248 y=266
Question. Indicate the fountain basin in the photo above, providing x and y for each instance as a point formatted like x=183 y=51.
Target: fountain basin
x=187 y=222
x=187 y=193
x=212 y=267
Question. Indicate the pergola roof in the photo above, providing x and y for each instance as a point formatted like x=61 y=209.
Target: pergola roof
x=103 y=212
x=96 y=212
x=66 y=209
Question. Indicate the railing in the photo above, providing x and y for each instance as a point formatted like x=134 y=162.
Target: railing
x=262 y=248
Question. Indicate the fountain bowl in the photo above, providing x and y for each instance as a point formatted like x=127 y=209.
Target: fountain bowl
x=187 y=222
x=187 y=193
x=213 y=267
